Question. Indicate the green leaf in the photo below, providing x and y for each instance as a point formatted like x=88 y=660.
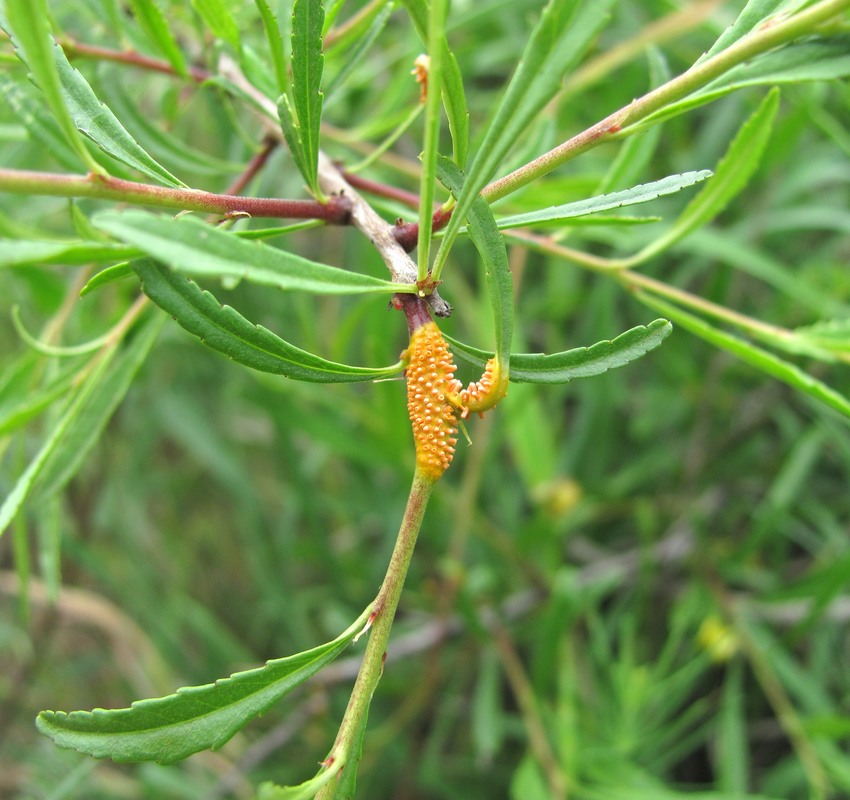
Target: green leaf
x=18 y=253
x=732 y=760
x=216 y=14
x=304 y=791
x=179 y=152
x=437 y=15
x=730 y=177
x=84 y=417
x=196 y=718
x=28 y=403
x=293 y=136
x=582 y=362
x=106 y=276
x=454 y=97
x=559 y=40
x=20 y=491
x=304 y=114
x=348 y=780
x=29 y=22
x=491 y=247
x=751 y=17
x=275 y=40
x=362 y=36
x=825 y=59
x=188 y=245
x=95 y=411
x=224 y=329
x=761 y=359
x=41 y=125
x=153 y=23
x=831 y=335
x=637 y=194
x=97 y=122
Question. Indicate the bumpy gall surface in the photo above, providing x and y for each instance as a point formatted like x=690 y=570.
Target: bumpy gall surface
x=430 y=385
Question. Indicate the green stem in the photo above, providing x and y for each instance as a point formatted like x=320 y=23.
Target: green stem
x=527 y=701
x=767 y=37
x=431 y=144
x=336 y=210
x=381 y=621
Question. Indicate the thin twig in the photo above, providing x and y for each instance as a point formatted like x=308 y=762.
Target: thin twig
x=257 y=162
x=379 y=232
x=130 y=58
x=119 y=190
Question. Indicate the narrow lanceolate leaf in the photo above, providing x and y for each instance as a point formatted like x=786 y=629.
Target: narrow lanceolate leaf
x=18 y=253
x=559 y=40
x=628 y=197
x=95 y=412
x=196 y=718
x=25 y=102
x=582 y=362
x=84 y=416
x=826 y=59
x=491 y=247
x=454 y=97
x=754 y=13
x=293 y=136
x=152 y=21
x=108 y=275
x=216 y=14
x=20 y=491
x=368 y=31
x=172 y=149
x=18 y=410
x=224 y=329
x=97 y=122
x=730 y=177
x=29 y=27
x=305 y=112
x=275 y=41
x=193 y=247
x=755 y=356
x=432 y=85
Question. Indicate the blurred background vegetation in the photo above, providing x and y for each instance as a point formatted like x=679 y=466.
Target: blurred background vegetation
x=634 y=584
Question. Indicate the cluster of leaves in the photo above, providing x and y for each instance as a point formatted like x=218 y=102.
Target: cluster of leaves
x=611 y=705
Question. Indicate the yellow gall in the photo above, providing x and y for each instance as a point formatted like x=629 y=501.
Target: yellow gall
x=430 y=384
x=485 y=393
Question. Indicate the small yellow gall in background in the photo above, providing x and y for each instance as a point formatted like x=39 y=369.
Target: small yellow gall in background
x=718 y=639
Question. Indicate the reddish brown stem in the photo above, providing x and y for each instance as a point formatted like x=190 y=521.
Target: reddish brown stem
x=407 y=233
x=254 y=166
x=381 y=189
x=414 y=308
x=337 y=210
x=77 y=49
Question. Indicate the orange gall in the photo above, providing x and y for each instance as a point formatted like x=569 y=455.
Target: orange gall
x=431 y=386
